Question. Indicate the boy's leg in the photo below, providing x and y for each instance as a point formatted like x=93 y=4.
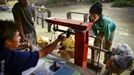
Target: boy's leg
x=107 y=45
x=98 y=43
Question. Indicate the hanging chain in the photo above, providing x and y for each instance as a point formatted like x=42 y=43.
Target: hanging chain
x=55 y=27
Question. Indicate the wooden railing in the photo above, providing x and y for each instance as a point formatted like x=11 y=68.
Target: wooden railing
x=40 y=14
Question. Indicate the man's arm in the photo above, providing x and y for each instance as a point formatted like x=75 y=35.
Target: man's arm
x=49 y=48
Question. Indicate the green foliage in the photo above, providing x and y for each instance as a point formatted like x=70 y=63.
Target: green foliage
x=52 y=1
x=112 y=0
x=123 y=3
x=91 y=1
x=94 y=1
x=32 y=1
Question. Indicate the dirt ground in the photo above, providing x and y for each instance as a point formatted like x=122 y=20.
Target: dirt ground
x=123 y=17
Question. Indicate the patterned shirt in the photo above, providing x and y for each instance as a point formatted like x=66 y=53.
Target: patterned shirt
x=17 y=61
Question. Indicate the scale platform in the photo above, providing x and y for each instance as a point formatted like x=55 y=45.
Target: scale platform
x=43 y=67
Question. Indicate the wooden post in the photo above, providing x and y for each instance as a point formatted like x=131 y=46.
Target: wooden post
x=81 y=48
x=49 y=25
x=69 y=15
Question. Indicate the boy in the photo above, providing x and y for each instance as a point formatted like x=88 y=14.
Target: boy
x=103 y=28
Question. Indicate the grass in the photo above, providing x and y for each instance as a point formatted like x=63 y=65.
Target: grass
x=123 y=3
